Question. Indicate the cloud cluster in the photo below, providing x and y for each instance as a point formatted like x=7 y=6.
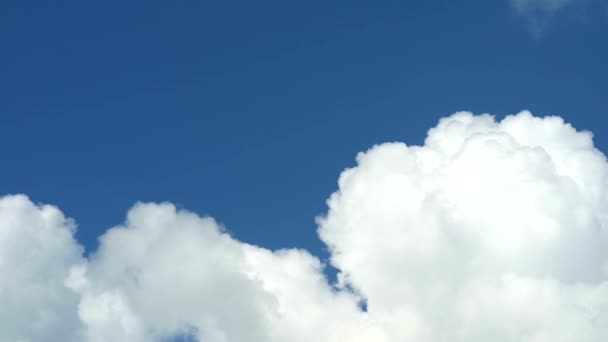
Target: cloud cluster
x=492 y=230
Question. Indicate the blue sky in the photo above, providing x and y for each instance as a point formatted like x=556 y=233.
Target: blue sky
x=249 y=111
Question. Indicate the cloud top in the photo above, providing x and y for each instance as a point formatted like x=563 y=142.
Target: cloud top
x=492 y=230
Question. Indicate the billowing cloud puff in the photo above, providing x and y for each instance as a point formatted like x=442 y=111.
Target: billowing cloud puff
x=168 y=272
x=489 y=231
x=37 y=251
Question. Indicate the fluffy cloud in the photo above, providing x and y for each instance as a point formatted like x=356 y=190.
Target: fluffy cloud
x=37 y=250
x=167 y=272
x=489 y=231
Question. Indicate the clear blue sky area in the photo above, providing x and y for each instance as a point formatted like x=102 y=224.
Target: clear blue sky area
x=248 y=111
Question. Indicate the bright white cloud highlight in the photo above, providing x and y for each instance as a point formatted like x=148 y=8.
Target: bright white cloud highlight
x=490 y=231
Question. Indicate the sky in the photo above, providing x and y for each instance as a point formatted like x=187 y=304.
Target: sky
x=250 y=112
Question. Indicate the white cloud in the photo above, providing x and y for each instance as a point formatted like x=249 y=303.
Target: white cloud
x=490 y=231
x=168 y=271
x=37 y=250
x=470 y=230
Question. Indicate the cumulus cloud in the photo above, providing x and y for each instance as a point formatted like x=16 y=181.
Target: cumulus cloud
x=166 y=272
x=492 y=230
x=37 y=251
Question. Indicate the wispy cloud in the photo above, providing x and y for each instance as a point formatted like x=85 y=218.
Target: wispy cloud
x=544 y=6
x=538 y=14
